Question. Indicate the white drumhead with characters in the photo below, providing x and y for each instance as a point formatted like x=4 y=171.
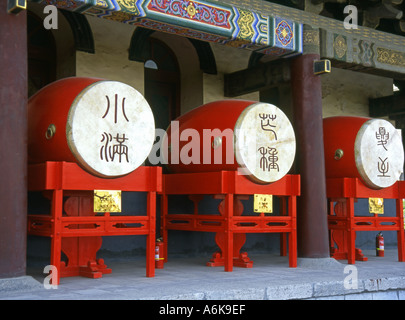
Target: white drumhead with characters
x=379 y=153
x=110 y=129
x=264 y=143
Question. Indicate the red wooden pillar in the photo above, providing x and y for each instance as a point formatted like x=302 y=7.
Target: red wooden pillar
x=13 y=138
x=312 y=227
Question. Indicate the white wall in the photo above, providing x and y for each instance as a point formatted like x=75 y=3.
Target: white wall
x=228 y=60
x=110 y=61
x=346 y=92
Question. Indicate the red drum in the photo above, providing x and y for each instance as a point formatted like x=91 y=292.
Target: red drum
x=364 y=148
x=107 y=127
x=253 y=137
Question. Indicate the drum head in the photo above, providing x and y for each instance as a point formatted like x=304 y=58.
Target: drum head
x=110 y=129
x=379 y=153
x=264 y=143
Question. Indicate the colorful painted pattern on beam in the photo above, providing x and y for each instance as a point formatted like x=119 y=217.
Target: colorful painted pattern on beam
x=193 y=11
x=204 y=20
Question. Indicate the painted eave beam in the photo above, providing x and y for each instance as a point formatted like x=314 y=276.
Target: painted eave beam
x=360 y=49
x=210 y=21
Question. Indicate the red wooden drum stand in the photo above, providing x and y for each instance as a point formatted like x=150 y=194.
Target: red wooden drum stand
x=73 y=226
x=230 y=226
x=343 y=224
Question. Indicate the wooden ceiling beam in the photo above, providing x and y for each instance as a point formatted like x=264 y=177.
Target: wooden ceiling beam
x=262 y=76
x=392 y=106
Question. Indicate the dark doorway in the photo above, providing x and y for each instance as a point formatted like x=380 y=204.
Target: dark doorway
x=162 y=84
x=162 y=90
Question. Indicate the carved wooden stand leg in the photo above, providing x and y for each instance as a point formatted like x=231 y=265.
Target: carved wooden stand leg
x=240 y=259
x=81 y=251
x=345 y=239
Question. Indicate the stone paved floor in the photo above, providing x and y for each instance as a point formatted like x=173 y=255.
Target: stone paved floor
x=270 y=278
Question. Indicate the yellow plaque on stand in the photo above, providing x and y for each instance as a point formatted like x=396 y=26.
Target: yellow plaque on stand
x=263 y=203
x=107 y=201
x=376 y=205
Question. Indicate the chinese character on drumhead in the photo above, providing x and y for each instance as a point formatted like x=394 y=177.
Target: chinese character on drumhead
x=382 y=136
x=383 y=167
x=265 y=122
x=109 y=151
x=115 y=108
x=269 y=159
